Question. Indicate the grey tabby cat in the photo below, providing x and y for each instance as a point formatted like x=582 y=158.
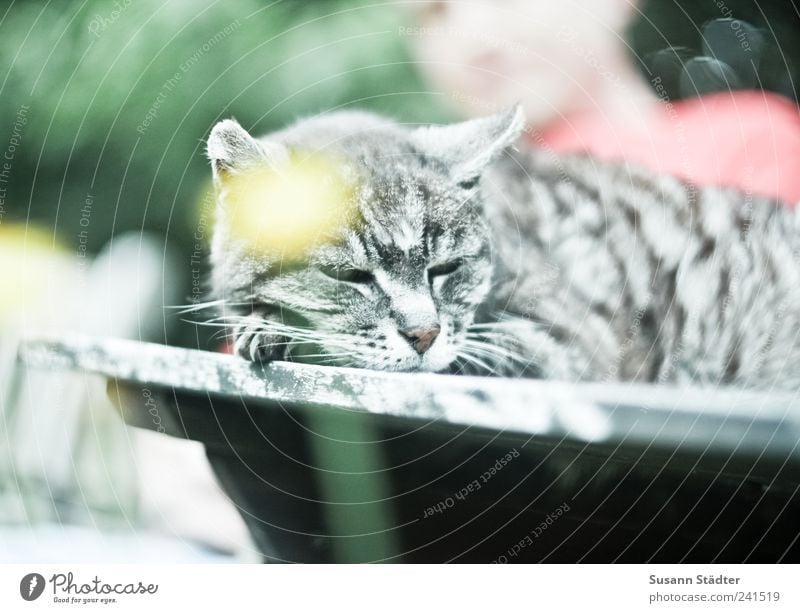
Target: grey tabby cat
x=469 y=255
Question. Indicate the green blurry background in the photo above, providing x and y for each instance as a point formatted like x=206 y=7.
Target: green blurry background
x=121 y=96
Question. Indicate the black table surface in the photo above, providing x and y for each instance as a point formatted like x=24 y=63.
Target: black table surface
x=337 y=464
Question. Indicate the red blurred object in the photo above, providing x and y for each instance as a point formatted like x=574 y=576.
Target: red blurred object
x=746 y=139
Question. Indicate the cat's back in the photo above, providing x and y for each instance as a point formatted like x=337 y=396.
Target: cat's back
x=709 y=278
x=541 y=191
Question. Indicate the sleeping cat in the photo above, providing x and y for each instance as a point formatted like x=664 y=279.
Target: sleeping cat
x=467 y=254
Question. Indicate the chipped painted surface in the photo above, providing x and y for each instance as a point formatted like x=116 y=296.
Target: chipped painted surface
x=733 y=421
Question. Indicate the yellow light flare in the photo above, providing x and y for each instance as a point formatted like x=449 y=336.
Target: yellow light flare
x=34 y=264
x=290 y=209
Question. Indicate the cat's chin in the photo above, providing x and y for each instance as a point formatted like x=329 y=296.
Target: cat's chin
x=440 y=368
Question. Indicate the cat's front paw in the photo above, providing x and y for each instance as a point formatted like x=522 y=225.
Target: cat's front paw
x=254 y=344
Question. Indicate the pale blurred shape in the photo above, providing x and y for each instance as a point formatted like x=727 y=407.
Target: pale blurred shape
x=557 y=58
x=72 y=474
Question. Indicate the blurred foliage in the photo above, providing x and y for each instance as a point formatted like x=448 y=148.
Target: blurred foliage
x=93 y=71
x=718 y=45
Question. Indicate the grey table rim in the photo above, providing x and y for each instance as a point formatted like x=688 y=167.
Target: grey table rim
x=738 y=421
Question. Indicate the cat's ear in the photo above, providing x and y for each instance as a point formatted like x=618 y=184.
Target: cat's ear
x=232 y=150
x=468 y=147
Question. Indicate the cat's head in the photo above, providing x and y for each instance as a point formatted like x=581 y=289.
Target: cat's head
x=393 y=280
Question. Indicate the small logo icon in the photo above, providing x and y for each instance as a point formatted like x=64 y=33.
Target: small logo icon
x=31 y=586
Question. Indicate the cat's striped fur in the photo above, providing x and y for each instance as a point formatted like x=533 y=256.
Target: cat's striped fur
x=517 y=262
x=642 y=277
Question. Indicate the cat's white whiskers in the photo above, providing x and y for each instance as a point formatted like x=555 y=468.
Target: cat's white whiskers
x=474 y=360
x=492 y=349
x=197 y=306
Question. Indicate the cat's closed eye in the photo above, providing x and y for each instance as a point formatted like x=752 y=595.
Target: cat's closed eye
x=470 y=183
x=446 y=268
x=348 y=275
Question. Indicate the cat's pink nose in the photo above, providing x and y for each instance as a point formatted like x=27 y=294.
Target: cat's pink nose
x=421 y=339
